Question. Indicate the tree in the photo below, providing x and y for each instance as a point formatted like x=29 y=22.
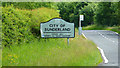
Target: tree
x=30 y=5
x=103 y=13
x=70 y=11
x=88 y=12
x=115 y=14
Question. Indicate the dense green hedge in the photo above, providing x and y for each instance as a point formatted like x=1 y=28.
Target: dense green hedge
x=15 y=27
x=41 y=15
x=20 y=25
x=30 y=5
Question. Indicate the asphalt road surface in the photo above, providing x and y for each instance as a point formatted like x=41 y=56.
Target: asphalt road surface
x=106 y=41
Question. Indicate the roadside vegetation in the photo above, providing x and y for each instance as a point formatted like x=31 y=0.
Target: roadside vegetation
x=0 y=57
x=0 y=44
x=99 y=13
x=95 y=13
x=53 y=52
x=23 y=46
x=20 y=25
x=95 y=27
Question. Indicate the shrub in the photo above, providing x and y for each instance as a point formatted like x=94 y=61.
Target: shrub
x=41 y=15
x=15 y=27
x=20 y=25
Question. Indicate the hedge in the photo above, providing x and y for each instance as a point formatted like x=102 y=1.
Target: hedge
x=20 y=25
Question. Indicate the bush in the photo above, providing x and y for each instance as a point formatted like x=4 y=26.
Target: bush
x=41 y=15
x=20 y=25
x=30 y=5
x=15 y=27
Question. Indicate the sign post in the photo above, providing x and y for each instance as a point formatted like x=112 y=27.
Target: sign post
x=68 y=41
x=80 y=28
x=57 y=28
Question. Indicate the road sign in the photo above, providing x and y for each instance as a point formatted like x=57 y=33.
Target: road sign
x=81 y=17
x=80 y=28
x=57 y=28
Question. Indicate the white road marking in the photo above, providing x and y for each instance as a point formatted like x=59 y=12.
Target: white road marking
x=106 y=37
x=103 y=55
x=101 y=51
x=116 y=32
x=84 y=35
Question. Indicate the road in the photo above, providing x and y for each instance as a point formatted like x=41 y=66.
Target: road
x=106 y=41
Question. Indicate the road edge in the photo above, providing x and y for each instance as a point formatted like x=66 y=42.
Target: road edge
x=101 y=51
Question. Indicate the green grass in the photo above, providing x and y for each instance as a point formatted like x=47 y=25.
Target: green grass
x=0 y=57
x=53 y=52
x=115 y=29
x=95 y=27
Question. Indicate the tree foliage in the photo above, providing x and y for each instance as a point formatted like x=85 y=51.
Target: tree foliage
x=88 y=12
x=22 y=21
x=101 y=13
x=70 y=11
x=30 y=5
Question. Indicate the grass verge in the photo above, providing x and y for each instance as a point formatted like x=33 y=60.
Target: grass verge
x=95 y=27
x=0 y=57
x=53 y=52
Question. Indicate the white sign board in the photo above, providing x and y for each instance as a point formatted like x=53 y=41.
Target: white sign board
x=81 y=17
x=57 y=28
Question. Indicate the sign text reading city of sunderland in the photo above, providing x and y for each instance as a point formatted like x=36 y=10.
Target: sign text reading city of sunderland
x=57 y=28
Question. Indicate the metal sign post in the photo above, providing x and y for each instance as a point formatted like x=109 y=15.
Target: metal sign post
x=68 y=41
x=80 y=28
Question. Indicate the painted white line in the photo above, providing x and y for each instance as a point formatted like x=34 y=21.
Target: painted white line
x=106 y=37
x=116 y=32
x=101 y=51
x=84 y=35
x=103 y=55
